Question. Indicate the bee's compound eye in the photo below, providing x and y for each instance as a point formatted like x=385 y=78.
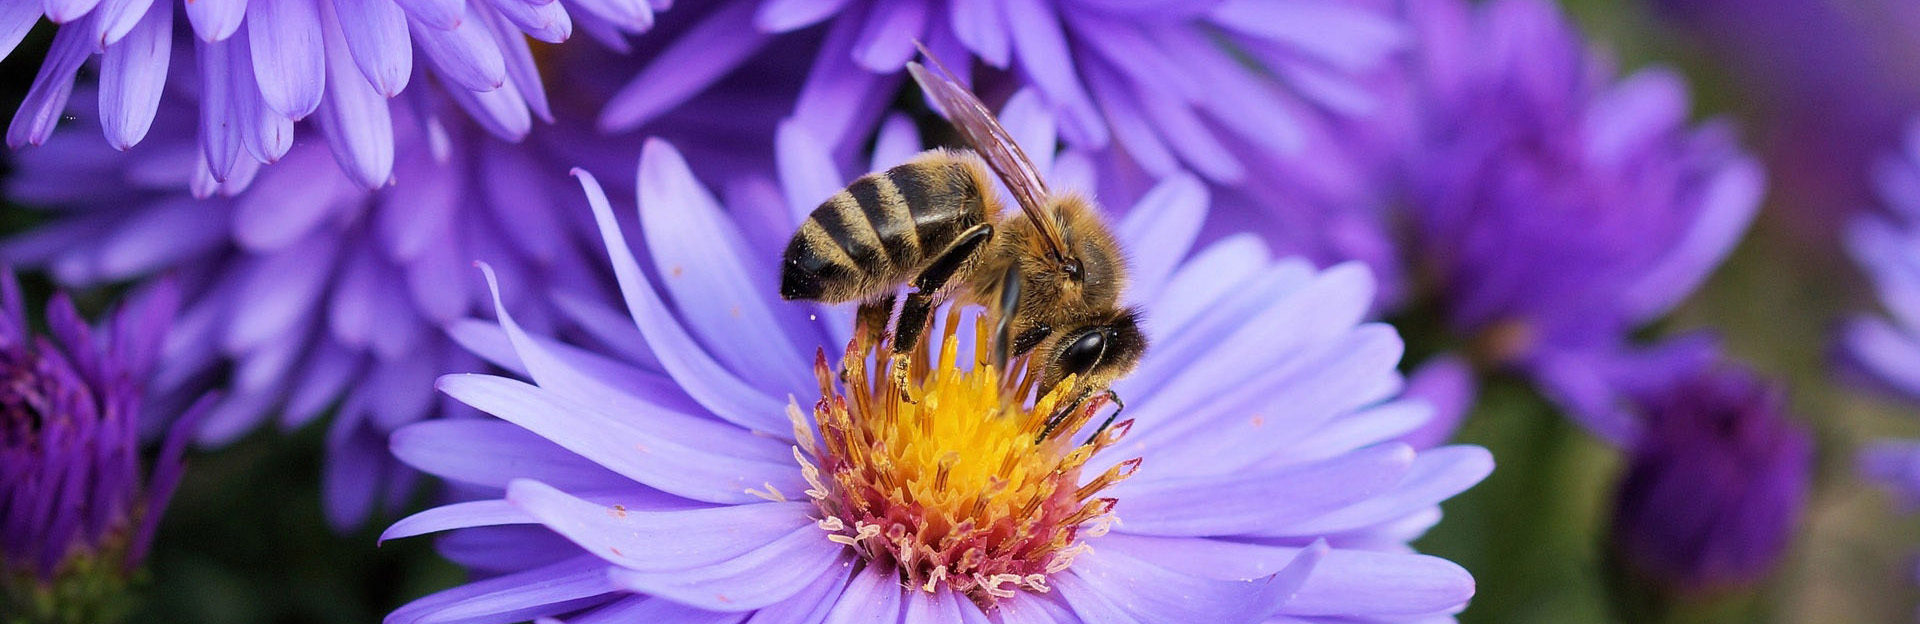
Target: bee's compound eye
x=1084 y=353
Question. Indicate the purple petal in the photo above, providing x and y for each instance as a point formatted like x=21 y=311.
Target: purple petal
x=700 y=255
x=354 y=117
x=1042 y=51
x=354 y=471
x=16 y=18
x=117 y=18
x=701 y=471
x=552 y=589
x=807 y=173
x=376 y=37
x=1191 y=138
x=414 y=214
x=690 y=64
x=1445 y=382
x=1435 y=476
x=516 y=192
x=729 y=397
x=632 y=16
x=838 y=93
x=1244 y=503
x=780 y=16
x=1151 y=593
x=289 y=61
x=501 y=111
x=872 y=596
x=441 y=282
x=1890 y=355
x=545 y=21
x=63 y=11
x=323 y=377
x=132 y=75
x=886 y=41
x=265 y=133
x=1727 y=206
x=215 y=20
x=521 y=70
x=648 y=609
x=1349 y=37
x=978 y=24
x=465 y=55
x=219 y=134
x=492 y=453
x=1129 y=123
x=47 y=98
x=766 y=576
x=483 y=513
x=640 y=540
x=290 y=202
x=502 y=549
x=897 y=142
x=278 y=291
x=942 y=606
x=1160 y=230
x=438 y=14
x=811 y=604
x=1344 y=583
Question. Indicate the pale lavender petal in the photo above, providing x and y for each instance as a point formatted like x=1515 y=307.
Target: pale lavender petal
x=483 y=513
x=811 y=604
x=350 y=308
x=1191 y=139
x=413 y=214
x=64 y=11
x=507 y=548
x=376 y=37
x=158 y=236
x=465 y=55
x=695 y=60
x=515 y=184
x=441 y=281
x=1160 y=231
x=132 y=75
x=886 y=41
x=1446 y=383
x=266 y=133
x=691 y=466
x=354 y=117
x=1344 y=583
x=323 y=377
x=547 y=590
x=611 y=328
x=839 y=92
x=1032 y=127
x=1239 y=100
x=898 y=141
x=545 y=21
x=1435 y=476
x=779 y=16
x=1348 y=36
x=1151 y=593
x=628 y=15
x=501 y=111
x=871 y=597
x=728 y=396
x=1027 y=608
x=941 y=605
x=807 y=173
x=47 y=98
x=1727 y=206
x=117 y=18
x=1041 y=49
x=1129 y=123
x=438 y=14
x=978 y=24
x=290 y=202
x=648 y=609
x=1892 y=356
x=219 y=134
x=1385 y=422
x=278 y=291
x=701 y=259
x=1243 y=503
x=642 y=540
x=518 y=56
x=289 y=61
x=215 y=20
x=759 y=578
x=16 y=18
x=493 y=453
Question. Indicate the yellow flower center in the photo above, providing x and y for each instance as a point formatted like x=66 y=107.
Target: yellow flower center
x=951 y=482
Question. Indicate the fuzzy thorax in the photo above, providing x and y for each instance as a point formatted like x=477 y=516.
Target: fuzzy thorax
x=951 y=486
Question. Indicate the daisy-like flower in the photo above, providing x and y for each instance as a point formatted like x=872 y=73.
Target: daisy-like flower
x=1255 y=474
x=1554 y=208
x=76 y=514
x=1884 y=352
x=305 y=293
x=265 y=64
x=1175 y=84
x=1715 y=488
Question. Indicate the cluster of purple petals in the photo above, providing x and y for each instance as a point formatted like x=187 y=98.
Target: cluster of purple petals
x=1177 y=85
x=1883 y=351
x=305 y=293
x=259 y=67
x=1715 y=487
x=71 y=483
x=568 y=522
x=1555 y=207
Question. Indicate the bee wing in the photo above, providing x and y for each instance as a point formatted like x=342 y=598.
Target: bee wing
x=991 y=141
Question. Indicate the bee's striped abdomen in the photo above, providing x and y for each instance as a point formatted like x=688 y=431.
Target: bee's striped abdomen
x=882 y=229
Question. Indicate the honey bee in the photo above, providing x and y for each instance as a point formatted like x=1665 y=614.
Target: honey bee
x=1053 y=274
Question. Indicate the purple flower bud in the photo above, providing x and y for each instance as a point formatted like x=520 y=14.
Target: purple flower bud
x=1714 y=488
x=76 y=515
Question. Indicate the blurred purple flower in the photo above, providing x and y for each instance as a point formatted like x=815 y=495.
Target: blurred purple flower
x=1178 y=85
x=655 y=483
x=307 y=293
x=1716 y=486
x=76 y=516
x=265 y=64
x=1884 y=352
x=1553 y=208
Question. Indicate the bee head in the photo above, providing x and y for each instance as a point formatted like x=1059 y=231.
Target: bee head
x=1098 y=352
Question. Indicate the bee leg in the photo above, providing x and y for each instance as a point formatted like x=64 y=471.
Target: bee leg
x=1060 y=416
x=918 y=309
x=872 y=317
x=1009 y=303
x=1117 y=408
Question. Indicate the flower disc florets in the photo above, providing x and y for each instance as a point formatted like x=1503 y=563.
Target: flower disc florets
x=951 y=482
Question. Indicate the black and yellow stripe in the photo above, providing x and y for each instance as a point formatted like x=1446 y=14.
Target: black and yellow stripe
x=882 y=229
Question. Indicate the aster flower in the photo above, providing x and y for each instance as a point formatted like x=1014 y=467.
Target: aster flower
x=305 y=293
x=1554 y=208
x=263 y=65
x=695 y=485
x=76 y=515
x=1884 y=352
x=1715 y=487
x=1176 y=84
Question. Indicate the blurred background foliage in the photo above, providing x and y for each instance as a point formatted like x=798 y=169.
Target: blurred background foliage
x=244 y=540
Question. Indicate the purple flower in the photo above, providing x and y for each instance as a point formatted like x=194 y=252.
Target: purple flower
x=1715 y=486
x=307 y=294
x=683 y=479
x=76 y=515
x=1555 y=208
x=263 y=65
x=1883 y=352
x=1178 y=84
